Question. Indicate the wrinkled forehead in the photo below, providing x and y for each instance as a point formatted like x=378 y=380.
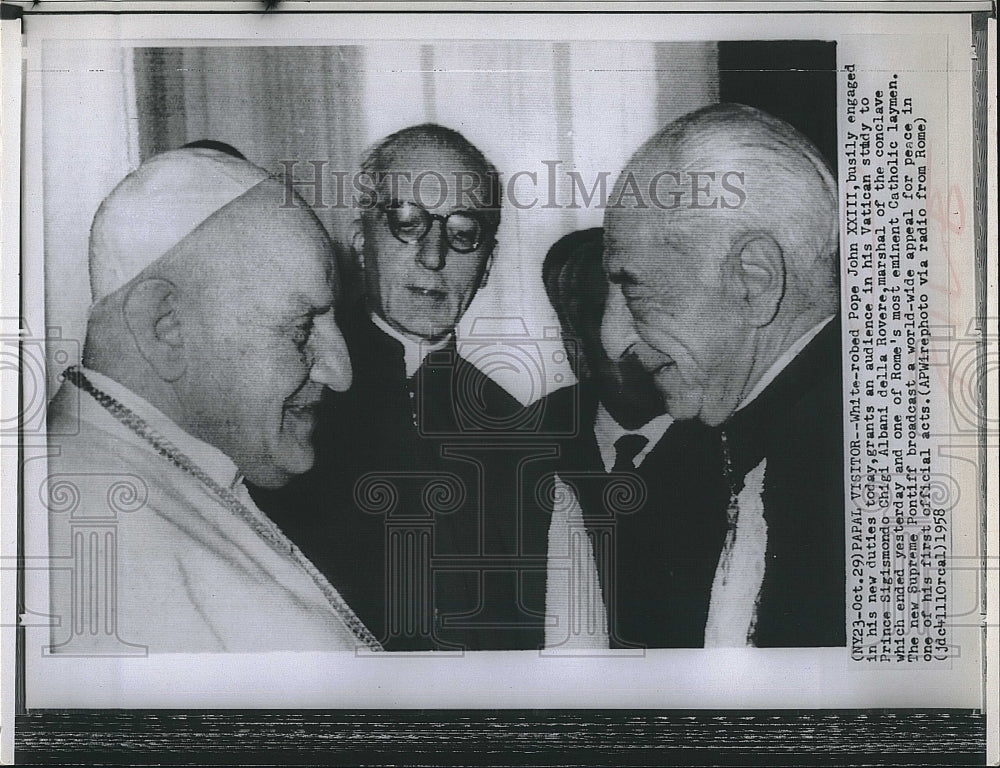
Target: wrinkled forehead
x=632 y=235
x=659 y=251
x=659 y=210
x=436 y=177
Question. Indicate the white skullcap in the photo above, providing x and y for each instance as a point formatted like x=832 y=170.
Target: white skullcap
x=159 y=204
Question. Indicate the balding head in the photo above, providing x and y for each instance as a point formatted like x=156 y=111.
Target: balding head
x=729 y=257
x=788 y=191
x=443 y=164
x=229 y=331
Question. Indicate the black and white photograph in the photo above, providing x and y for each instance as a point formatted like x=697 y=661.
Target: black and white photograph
x=433 y=361
x=315 y=463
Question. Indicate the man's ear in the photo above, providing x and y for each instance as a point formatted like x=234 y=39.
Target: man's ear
x=358 y=241
x=758 y=266
x=152 y=317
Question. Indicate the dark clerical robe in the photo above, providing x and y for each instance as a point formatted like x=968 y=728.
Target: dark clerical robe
x=796 y=424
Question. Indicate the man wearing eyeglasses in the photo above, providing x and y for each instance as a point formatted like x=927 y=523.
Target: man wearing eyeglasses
x=413 y=491
x=426 y=233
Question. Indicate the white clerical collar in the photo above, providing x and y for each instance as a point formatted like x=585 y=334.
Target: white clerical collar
x=607 y=431
x=207 y=458
x=415 y=351
x=782 y=362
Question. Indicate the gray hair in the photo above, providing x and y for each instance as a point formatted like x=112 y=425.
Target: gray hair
x=790 y=191
x=379 y=158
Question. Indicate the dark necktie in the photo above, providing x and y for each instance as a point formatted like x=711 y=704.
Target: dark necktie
x=627 y=447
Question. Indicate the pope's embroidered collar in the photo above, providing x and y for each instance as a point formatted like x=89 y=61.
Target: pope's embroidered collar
x=208 y=458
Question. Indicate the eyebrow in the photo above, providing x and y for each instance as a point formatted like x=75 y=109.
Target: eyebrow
x=476 y=213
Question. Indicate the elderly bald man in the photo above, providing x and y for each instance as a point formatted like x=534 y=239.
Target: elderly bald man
x=209 y=342
x=731 y=301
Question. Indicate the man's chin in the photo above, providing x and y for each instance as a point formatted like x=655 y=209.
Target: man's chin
x=430 y=332
x=270 y=481
x=295 y=458
x=692 y=407
x=278 y=477
x=299 y=462
x=423 y=322
x=681 y=405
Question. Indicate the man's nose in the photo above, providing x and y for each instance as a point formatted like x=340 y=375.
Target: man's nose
x=433 y=248
x=617 y=327
x=331 y=360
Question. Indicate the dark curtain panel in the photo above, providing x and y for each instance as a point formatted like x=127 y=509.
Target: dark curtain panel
x=795 y=80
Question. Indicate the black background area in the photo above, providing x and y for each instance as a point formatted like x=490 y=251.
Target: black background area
x=795 y=80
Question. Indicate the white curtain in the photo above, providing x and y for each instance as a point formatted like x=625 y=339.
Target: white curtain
x=89 y=143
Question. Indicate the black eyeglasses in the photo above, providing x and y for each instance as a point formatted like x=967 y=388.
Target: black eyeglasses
x=410 y=223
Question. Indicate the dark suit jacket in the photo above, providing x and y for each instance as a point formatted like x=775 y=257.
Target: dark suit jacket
x=413 y=507
x=657 y=532
x=660 y=549
x=797 y=425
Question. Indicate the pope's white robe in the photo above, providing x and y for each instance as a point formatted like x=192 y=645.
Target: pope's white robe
x=148 y=559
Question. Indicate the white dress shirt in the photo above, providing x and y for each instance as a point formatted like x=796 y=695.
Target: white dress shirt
x=608 y=431
x=732 y=612
x=576 y=617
